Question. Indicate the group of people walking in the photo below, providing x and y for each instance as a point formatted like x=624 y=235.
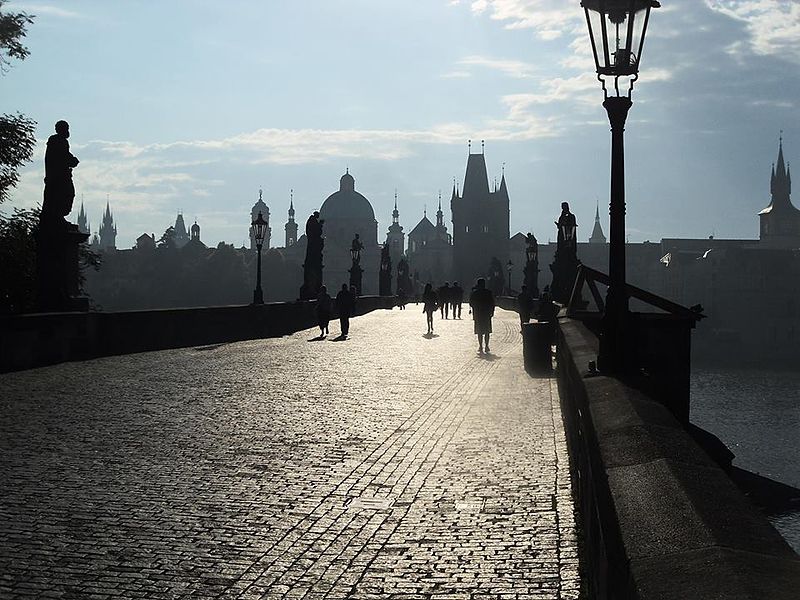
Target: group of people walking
x=447 y=299
x=481 y=302
x=344 y=304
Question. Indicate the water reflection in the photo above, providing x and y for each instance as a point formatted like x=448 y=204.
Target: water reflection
x=757 y=414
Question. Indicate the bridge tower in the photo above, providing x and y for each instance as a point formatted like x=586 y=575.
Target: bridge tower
x=480 y=222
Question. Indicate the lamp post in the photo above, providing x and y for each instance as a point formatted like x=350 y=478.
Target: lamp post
x=617 y=29
x=532 y=265
x=509 y=266
x=259 y=231
x=355 y=270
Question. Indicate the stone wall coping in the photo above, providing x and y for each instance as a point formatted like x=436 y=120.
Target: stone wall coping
x=34 y=340
x=686 y=529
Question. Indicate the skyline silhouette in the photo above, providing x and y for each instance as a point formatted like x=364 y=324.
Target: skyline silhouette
x=269 y=104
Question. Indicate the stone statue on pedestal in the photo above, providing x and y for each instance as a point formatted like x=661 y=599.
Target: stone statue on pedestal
x=404 y=284
x=57 y=240
x=565 y=263
x=531 y=270
x=312 y=267
x=385 y=273
x=59 y=191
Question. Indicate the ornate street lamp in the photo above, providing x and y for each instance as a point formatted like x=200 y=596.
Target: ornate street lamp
x=509 y=266
x=617 y=29
x=355 y=270
x=259 y=231
x=532 y=250
x=531 y=269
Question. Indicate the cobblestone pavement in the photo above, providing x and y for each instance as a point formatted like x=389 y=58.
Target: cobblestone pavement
x=389 y=465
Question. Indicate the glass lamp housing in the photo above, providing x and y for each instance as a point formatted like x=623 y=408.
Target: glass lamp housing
x=259 y=229
x=616 y=30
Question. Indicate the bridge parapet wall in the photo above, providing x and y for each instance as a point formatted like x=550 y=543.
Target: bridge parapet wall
x=660 y=519
x=36 y=340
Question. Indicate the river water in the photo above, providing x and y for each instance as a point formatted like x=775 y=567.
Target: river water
x=756 y=413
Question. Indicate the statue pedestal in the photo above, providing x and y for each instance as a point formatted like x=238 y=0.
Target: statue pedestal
x=355 y=276
x=58 y=269
x=565 y=272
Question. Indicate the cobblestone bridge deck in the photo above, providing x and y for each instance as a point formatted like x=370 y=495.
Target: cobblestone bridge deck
x=389 y=465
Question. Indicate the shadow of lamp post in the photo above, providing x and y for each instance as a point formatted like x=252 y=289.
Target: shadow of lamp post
x=509 y=266
x=259 y=231
x=617 y=29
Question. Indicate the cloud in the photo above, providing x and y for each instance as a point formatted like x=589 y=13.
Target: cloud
x=773 y=25
x=456 y=75
x=550 y=19
x=49 y=10
x=512 y=68
x=151 y=179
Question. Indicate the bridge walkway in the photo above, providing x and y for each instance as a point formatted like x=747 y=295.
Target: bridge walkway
x=388 y=465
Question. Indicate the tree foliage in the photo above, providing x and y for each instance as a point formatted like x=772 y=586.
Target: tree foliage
x=167 y=240
x=17 y=142
x=13 y=28
x=18 y=260
x=17 y=132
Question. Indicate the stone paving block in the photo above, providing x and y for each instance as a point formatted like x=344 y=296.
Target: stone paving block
x=390 y=465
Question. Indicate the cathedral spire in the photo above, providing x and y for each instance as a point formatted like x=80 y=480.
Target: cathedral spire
x=395 y=212
x=83 y=225
x=781 y=179
x=108 y=229
x=781 y=169
x=597 y=237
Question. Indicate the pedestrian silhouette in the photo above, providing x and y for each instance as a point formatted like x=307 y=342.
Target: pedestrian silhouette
x=324 y=307
x=429 y=305
x=402 y=299
x=457 y=297
x=345 y=302
x=482 y=303
x=444 y=299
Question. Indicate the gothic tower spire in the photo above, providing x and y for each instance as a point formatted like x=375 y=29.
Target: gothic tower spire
x=597 y=237
x=780 y=221
x=291 y=227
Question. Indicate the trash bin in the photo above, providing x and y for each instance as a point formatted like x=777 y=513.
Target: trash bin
x=536 y=340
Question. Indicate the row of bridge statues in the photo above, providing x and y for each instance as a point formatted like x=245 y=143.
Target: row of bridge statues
x=564 y=267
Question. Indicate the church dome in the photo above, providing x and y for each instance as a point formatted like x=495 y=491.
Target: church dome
x=347 y=203
x=260 y=207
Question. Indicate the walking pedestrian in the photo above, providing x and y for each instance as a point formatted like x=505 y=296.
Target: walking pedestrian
x=402 y=299
x=324 y=306
x=345 y=302
x=457 y=298
x=444 y=299
x=482 y=303
x=429 y=305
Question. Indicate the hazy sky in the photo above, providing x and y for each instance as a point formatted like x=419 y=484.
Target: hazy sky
x=194 y=105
